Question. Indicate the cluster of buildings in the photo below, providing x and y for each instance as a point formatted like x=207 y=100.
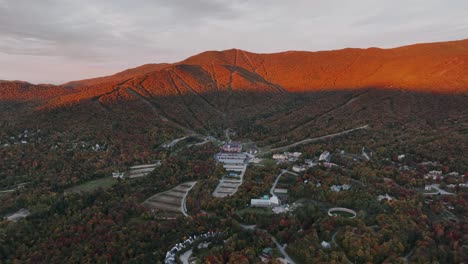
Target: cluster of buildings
x=434 y=175
x=287 y=156
x=232 y=158
x=303 y=167
x=171 y=254
x=339 y=188
x=22 y=138
x=232 y=161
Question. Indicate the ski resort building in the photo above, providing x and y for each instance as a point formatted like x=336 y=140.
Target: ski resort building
x=232 y=161
x=233 y=147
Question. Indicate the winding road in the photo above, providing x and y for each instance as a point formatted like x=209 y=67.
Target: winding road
x=278 y=245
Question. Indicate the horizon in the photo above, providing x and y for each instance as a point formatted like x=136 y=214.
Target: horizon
x=56 y=42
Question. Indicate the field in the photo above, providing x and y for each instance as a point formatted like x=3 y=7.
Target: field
x=172 y=201
x=90 y=186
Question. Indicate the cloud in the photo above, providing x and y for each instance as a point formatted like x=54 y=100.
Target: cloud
x=98 y=35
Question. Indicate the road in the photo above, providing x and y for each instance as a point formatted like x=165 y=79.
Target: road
x=175 y=141
x=310 y=140
x=186 y=256
x=272 y=190
x=278 y=245
x=439 y=191
x=183 y=205
x=226 y=133
x=336 y=244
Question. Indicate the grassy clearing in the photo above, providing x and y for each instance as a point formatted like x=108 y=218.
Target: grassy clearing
x=255 y=210
x=342 y=214
x=90 y=186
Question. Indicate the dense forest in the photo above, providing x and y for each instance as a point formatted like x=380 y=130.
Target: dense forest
x=46 y=153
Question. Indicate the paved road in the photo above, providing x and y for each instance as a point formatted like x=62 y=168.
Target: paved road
x=272 y=190
x=278 y=245
x=439 y=191
x=183 y=206
x=310 y=140
x=336 y=244
x=226 y=133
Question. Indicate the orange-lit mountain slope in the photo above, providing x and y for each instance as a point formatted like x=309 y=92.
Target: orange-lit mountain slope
x=23 y=91
x=431 y=67
x=119 y=77
x=439 y=67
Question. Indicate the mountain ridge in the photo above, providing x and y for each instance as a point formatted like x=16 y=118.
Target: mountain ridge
x=427 y=67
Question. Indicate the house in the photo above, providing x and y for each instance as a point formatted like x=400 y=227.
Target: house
x=325 y=245
x=294 y=154
x=325 y=156
x=386 y=196
x=287 y=156
x=338 y=188
x=299 y=168
x=253 y=151
x=345 y=187
x=267 y=252
x=280 y=156
x=232 y=147
x=119 y=175
x=329 y=165
x=274 y=201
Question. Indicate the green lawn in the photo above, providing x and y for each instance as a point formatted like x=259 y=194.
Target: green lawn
x=90 y=186
x=342 y=214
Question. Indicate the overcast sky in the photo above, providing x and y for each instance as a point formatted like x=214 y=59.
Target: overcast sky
x=55 y=41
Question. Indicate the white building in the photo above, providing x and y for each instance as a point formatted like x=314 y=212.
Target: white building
x=116 y=175
x=232 y=161
x=265 y=201
x=325 y=244
x=260 y=202
x=280 y=156
x=299 y=168
x=386 y=196
x=287 y=156
x=325 y=156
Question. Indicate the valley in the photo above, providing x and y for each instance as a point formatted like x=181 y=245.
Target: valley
x=348 y=156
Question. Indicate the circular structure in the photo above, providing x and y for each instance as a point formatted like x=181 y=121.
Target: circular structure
x=340 y=211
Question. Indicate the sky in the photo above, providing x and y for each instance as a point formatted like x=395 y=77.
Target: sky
x=56 y=41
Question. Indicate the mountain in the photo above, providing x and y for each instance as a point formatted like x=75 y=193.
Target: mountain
x=118 y=77
x=434 y=67
x=424 y=67
x=23 y=91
